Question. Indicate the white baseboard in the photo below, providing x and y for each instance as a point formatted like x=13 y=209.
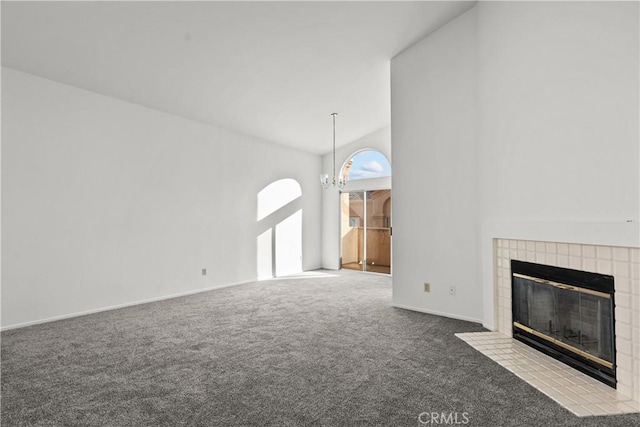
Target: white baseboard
x=437 y=313
x=490 y=327
x=115 y=307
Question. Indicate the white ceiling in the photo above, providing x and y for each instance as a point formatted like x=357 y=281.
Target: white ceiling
x=275 y=70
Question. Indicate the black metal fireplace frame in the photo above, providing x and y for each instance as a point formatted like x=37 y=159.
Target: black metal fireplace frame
x=593 y=281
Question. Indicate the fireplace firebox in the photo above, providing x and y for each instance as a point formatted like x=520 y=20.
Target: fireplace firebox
x=567 y=314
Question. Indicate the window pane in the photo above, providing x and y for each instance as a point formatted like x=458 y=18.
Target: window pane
x=367 y=164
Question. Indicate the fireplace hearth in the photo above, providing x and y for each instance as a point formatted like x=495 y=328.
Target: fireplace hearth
x=567 y=314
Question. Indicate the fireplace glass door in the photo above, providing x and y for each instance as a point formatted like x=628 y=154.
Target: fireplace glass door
x=572 y=320
x=579 y=320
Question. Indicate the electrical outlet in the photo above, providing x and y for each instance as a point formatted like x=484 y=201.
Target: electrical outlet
x=452 y=290
x=427 y=287
x=204 y=271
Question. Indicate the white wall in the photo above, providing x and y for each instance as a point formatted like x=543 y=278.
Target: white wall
x=379 y=140
x=107 y=203
x=559 y=110
x=433 y=122
x=558 y=105
x=554 y=154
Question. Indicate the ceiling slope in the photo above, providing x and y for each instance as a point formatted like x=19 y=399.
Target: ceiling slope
x=274 y=70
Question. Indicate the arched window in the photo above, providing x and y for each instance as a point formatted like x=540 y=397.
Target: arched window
x=367 y=164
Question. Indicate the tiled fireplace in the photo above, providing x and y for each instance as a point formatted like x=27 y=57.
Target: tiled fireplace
x=622 y=263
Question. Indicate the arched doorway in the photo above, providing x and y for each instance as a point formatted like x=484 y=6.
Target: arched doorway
x=366 y=213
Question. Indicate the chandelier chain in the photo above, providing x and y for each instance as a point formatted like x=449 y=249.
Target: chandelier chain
x=334 y=147
x=325 y=181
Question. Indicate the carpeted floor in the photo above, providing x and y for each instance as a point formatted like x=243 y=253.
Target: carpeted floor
x=310 y=351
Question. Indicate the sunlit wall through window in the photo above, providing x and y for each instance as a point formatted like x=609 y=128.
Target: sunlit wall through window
x=279 y=239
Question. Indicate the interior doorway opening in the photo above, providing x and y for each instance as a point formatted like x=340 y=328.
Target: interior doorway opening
x=366 y=230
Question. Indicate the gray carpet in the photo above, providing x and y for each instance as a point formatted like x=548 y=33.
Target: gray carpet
x=297 y=352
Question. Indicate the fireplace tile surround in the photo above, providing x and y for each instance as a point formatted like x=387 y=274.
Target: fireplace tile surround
x=621 y=262
x=573 y=390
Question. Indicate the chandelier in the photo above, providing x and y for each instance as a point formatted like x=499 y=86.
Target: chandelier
x=324 y=179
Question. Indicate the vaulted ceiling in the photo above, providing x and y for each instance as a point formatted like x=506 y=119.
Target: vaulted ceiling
x=274 y=70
